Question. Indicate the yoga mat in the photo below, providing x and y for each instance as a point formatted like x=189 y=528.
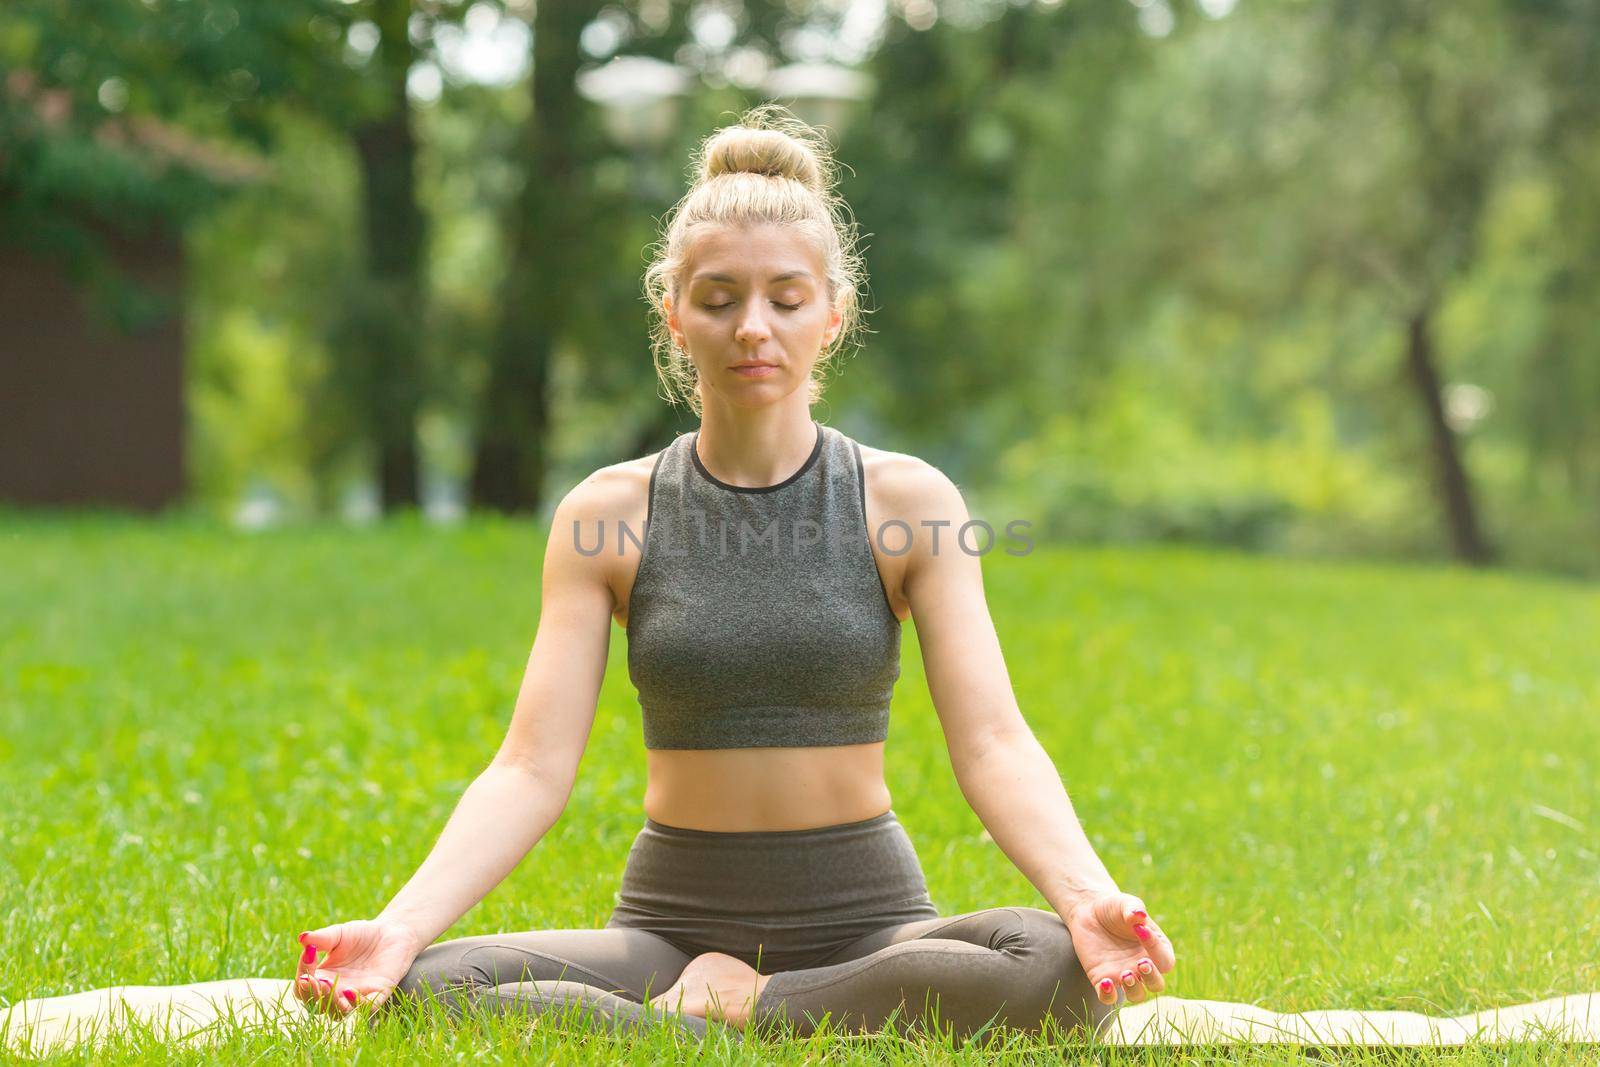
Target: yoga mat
x=1175 y=1021
x=190 y=1013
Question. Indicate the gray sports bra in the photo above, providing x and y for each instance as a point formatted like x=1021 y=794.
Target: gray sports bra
x=758 y=617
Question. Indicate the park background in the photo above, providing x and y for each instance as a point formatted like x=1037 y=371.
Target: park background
x=1276 y=319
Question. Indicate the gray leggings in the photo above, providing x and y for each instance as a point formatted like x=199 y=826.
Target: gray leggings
x=838 y=915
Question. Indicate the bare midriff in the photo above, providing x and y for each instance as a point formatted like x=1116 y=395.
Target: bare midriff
x=737 y=789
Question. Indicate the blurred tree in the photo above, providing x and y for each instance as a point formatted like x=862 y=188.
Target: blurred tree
x=972 y=309
x=546 y=274
x=379 y=341
x=215 y=67
x=1344 y=155
x=1561 y=39
x=1451 y=84
x=82 y=81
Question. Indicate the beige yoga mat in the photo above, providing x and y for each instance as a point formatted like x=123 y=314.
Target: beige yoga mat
x=1176 y=1021
x=194 y=1013
x=187 y=1013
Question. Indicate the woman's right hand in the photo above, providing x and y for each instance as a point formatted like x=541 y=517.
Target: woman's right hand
x=365 y=961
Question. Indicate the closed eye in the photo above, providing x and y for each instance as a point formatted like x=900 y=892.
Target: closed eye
x=719 y=307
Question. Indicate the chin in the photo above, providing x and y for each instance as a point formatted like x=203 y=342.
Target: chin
x=757 y=394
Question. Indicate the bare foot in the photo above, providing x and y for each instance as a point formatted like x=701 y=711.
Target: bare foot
x=715 y=985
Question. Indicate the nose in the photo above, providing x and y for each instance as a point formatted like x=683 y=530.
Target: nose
x=753 y=329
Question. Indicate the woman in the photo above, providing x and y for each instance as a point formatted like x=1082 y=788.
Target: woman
x=771 y=881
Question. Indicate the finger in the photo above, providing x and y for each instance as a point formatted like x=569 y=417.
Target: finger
x=367 y=996
x=1106 y=989
x=1133 y=911
x=347 y=1001
x=326 y=939
x=305 y=984
x=308 y=961
x=313 y=991
x=1159 y=948
x=1150 y=975
x=336 y=988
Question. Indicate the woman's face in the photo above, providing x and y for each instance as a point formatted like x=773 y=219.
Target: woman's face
x=753 y=313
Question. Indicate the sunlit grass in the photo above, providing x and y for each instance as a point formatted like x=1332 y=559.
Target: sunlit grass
x=1336 y=786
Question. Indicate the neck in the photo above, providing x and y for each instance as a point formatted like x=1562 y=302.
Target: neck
x=755 y=446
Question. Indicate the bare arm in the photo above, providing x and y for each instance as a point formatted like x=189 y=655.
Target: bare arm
x=518 y=797
x=1004 y=773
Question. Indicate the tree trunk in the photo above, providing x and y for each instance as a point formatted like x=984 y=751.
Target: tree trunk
x=510 y=459
x=1455 y=489
x=391 y=314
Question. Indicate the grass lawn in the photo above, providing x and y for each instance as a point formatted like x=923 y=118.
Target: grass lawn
x=1335 y=785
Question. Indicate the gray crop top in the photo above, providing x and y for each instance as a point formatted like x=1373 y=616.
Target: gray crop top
x=758 y=617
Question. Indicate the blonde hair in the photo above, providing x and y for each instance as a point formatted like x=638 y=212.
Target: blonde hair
x=768 y=168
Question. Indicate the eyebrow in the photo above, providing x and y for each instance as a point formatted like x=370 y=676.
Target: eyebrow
x=785 y=276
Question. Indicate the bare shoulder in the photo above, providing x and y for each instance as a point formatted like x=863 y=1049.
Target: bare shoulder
x=599 y=523
x=910 y=489
x=613 y=493
x=913 y=508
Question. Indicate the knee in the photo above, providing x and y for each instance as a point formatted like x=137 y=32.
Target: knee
x=442 y=968
x=1053 y=980
x=1041 y=938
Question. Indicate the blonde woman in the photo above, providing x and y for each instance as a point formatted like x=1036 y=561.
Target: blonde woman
x=763 y=603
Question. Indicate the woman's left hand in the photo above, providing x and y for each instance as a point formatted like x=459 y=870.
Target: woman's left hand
x=1119 y=946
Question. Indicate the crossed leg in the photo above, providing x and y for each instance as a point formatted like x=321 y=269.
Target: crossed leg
x=1011 y=966
x=610 y=974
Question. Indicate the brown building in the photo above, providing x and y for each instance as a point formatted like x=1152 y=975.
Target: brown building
x=89 y=414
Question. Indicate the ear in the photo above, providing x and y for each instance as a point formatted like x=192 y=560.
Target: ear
x=835 y=320
x=673 y=326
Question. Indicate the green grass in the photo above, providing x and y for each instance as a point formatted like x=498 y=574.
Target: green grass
x=1335 y=785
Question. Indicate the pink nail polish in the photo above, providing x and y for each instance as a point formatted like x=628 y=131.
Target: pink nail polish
x=304 y=935
x=309 y=955
x=1105 y=985
x=1140 y=916
x=350 y=995
x=1143 y=931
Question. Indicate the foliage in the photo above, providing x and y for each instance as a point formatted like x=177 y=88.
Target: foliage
x=1083 y=222
x=1138 y=468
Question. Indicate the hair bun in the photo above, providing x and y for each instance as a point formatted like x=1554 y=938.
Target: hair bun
x=764 y=150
